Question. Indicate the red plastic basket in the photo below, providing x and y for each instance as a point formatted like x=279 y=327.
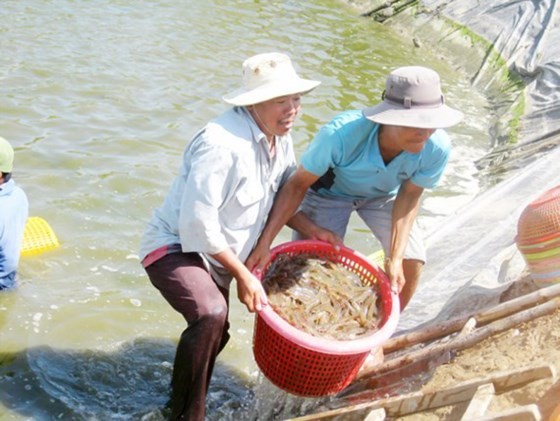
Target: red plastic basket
x=538 y=237
x=540 y=220
x=306 y=365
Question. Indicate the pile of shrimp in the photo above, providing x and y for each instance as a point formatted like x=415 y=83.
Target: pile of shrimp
x=320 y=297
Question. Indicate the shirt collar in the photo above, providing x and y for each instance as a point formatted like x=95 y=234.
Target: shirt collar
x=378 y=160
x=7 y=187
x=257 y=133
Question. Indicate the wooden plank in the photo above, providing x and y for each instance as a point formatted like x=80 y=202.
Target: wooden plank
x=479 y=403
x=521 y=413
x=460 y=393
x=516 y=380
x=376 y=415
x=549 y=403
x=463 y=392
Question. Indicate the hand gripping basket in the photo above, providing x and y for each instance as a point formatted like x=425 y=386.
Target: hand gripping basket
x=306 y=365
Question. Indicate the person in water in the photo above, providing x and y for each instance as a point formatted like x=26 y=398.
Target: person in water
x=376 y=162
x=197 y=241
x=14 y=210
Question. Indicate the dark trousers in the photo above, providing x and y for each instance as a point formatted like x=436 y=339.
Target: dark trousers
x=185 y=283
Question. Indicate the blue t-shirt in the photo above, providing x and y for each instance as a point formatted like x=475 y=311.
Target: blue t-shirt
x=13 y=216
x=345 y=154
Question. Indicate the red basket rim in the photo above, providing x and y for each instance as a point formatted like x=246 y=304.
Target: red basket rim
x=330 y=346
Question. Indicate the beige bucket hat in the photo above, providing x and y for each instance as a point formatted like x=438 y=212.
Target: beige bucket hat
x=413 y=98
x=6 y=156
x=267 y=76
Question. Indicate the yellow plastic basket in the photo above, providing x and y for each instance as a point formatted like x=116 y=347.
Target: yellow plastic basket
x=38 y=237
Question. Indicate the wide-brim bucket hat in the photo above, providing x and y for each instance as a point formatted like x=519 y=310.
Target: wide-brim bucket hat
x=413 y=98
x=267 y=76
x=6 y=156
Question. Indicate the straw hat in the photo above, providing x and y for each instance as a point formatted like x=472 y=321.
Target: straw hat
x=413 y=98
x=267 y=76
x=6 y=156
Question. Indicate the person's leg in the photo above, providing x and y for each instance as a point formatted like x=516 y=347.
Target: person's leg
x=185 y=283
x=377 y=215
x=412 y=269
x=329 y=213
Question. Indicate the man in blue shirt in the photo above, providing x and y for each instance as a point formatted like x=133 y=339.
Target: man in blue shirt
x=377 y=162
x=14 y=210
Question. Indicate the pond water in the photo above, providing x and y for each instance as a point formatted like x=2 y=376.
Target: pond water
x=99 y=98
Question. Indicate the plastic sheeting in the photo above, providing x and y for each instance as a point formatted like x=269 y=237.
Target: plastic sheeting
x=527 y=35
x=522 y=37
x=474 y=250
x=472 y=254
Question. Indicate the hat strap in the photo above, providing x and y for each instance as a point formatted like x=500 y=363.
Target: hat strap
x=407 y=101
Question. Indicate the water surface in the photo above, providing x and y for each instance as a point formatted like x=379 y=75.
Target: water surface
x=99 y=99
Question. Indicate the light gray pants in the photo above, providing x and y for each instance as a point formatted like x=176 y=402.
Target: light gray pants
x=334 y=214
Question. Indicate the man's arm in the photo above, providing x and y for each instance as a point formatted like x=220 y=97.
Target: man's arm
x=310 y=230
x=249 y=289
x=405 y=210
x=285 y=205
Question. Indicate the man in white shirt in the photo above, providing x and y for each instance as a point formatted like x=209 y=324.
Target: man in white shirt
x=198 y=240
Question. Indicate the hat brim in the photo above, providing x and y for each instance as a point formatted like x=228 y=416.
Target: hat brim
x=419 y=117
x=244 y=96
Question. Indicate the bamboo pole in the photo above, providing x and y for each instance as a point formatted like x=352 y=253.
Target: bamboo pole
x=470 y=339
x=482 y=317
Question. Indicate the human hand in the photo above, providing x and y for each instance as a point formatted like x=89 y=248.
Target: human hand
x=394 y=270
x=258 y=259
x=323 y=234
x=251 y=293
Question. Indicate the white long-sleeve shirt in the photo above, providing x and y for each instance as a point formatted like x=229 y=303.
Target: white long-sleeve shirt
x=223 y=193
